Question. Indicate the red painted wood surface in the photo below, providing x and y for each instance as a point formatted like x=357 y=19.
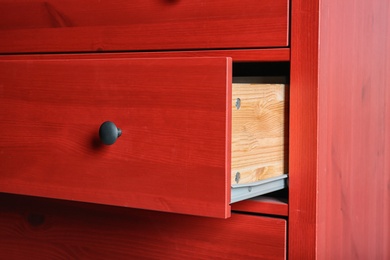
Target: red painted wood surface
x=354 y=131
x=33 y=228
x=239 y=55
x=263 y=205
x=339 y=202
x=73 y=26
x=303 y=130
x=173 y=155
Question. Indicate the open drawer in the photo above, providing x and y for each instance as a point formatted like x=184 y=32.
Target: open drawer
x=178 y=150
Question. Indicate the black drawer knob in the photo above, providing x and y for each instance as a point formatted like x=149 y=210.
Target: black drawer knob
x=108 y=133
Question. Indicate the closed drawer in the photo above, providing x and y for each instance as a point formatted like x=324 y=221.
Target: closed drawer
x=90 y=25
x=185 y=140
x=34 y=228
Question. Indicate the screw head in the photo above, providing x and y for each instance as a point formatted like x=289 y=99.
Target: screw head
x=238 y=103
x=238 y=176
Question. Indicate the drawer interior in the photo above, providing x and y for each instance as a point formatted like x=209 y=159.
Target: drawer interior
x=259 y=162
x=260 y=106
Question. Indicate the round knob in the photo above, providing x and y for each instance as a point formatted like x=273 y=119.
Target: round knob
x=108 y=133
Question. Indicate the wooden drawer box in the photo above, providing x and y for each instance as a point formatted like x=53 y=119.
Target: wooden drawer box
x=112 y=25
x=187 y=134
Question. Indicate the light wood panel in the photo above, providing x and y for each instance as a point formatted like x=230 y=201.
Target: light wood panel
x=259 y=143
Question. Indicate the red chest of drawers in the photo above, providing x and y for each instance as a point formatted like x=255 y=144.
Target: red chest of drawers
x=335 y=57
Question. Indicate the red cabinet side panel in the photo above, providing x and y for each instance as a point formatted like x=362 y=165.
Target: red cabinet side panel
x=354 y=130
x=339 y=175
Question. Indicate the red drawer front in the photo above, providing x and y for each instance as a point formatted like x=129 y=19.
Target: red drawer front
x=108 y=25
x=36 y=229
x=174 y=152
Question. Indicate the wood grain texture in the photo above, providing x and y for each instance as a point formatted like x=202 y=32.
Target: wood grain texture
x=339 y=139
x=354 y=130
x=259 y=148
x=263 y=205
x=173 y=155
x=239 y=55
x=303 y=138
x=33 y=228
x=75 y=26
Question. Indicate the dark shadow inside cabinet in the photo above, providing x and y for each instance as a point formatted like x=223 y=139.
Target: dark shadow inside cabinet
x=271 y=72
